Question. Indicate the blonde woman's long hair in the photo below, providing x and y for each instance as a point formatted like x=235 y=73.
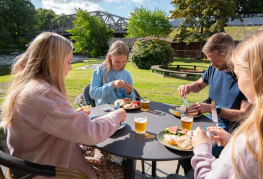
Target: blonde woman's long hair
x=248 y=56
x=117 y=48
x=44 y=59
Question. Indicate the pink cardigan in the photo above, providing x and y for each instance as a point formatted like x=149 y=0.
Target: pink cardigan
x=207 y=166
x=47 y=130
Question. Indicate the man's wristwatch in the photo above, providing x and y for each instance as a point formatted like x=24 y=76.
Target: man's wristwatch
x=218 y=109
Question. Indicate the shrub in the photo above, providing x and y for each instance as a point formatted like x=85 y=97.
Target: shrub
x=150 y=51
x=94 y=53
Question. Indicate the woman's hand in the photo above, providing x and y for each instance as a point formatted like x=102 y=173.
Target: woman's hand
x=122 y=114
x=128 y=88
x=81 y=109
x=200 y=136
x=119 y=83
x=220 y=135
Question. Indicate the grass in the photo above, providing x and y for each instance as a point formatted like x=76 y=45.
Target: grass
x=155 y=87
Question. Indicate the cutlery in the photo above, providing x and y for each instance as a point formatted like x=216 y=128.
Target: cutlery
x=214 y=116
x=185 y=101
x=118 y=105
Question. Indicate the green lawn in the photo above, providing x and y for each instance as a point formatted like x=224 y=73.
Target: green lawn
x=159 y=89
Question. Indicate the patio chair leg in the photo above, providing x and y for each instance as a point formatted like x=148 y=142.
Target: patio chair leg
x=177 y=168
x=142 y=166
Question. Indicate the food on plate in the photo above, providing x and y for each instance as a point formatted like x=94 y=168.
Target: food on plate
x=183 y=108
x=177 y=113
x=136 y=103
x=179 y=137
x=128 y=106
x=127 y=100
x=184 y=142
x=192 y=112
x=170 y=139
x=121 y=101
x=171 y=130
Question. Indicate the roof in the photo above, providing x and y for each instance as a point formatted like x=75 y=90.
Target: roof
x=128 y=41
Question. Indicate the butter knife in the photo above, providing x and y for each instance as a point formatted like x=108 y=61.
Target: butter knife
x=185 y=101
x=214 y=116
x=118 y=105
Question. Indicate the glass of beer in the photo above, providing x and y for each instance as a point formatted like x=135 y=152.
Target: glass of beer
x=140 y=122
x=145 y=103
x=186 y=121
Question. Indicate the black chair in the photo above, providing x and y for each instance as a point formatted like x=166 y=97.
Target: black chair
x=137 y=96
x=86 y=97
x=25 y=169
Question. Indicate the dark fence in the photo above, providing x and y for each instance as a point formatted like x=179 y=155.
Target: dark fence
x=188 y=51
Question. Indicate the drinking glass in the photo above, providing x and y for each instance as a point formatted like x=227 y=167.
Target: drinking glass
x=145 y=103
x=186 y=121
x=140 y=122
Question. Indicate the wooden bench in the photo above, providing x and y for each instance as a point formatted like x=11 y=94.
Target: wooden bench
x=178 y=70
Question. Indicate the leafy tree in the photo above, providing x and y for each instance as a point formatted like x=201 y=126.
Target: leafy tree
x=144 y=22
x=19 y=19
x=202 y=19
x=45 y=17
x=249 y=6
x=150 y=51
x=89 y=33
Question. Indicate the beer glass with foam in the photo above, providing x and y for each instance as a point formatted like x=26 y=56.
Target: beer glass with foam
x=145 y=103
x=140 y=122
x=186 y=121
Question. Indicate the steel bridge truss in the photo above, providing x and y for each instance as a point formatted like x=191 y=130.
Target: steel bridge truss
x=64 y=23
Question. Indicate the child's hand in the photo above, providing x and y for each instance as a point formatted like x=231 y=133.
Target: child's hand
x=128 y=88
x=122 y=114
x=220 y=135
x=119 y=83
x=200 y=136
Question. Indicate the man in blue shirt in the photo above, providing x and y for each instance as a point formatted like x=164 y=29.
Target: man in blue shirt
x=223 y=86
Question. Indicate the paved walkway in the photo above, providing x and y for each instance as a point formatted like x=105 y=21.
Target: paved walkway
x=163 y=169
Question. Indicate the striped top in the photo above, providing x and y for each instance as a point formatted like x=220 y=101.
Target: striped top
x=46 y=129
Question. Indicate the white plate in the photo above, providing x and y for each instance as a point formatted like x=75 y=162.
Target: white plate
x=122 y=125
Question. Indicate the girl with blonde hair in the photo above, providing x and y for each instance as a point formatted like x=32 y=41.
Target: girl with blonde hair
x=242 y=156
x=110 y=81
x=40 y=123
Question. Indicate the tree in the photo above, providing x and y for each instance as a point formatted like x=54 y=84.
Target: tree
x=19 y=19
x=249 y=6
x=45 y=17
x=143 y=22
x=89 y=33
x=202 y=19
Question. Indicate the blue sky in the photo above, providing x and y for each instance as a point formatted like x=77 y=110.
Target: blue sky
x=116 y=7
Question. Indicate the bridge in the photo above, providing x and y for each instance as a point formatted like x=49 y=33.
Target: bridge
x=112 y=21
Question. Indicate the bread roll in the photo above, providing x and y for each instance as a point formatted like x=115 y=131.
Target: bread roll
x=121 y=101
x=128 y=106
x=184 y=142
x=127 y=100
x=170 y=139
x=192 y=112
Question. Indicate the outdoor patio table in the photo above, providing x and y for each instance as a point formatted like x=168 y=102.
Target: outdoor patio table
x=132 y=146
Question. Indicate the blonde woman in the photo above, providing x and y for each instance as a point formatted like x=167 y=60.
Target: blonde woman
x=242 y=156
x=110 y=81
x=40 y=122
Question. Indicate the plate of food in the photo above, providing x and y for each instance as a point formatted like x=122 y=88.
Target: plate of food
x=127 y=104
x=178 y=139
x=179 y=110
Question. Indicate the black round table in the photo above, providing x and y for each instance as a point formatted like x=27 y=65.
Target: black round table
x=132 y=146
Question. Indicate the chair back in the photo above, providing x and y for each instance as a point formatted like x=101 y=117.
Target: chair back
x=137 y=96
x=86 y=96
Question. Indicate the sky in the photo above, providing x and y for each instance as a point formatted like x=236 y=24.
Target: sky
x=117 y=7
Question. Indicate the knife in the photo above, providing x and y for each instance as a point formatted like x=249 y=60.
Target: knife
x=214 y=116
x=118 y=105
x=185 y=101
